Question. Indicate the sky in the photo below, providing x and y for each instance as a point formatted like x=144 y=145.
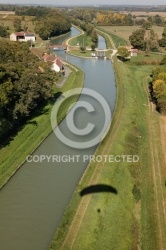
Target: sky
x=86 y=2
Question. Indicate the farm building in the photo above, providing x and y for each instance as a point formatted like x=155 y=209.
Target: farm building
x=22 y=36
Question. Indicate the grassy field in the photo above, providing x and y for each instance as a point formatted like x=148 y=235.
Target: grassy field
x=15 y=150
x=141 y=58
x=134 y=218
x=126 y=31
x=82 y=40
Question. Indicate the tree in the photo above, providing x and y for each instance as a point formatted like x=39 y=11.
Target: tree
x=152 y=42
x=93 y=46
x=146 y=25
x=17 y=24
x=3 y=31
x=137 y=39
x=159 y=87
x=162 y=41
x=87 y=18
x=123 y=53
x=158 y=20
x=82 y=48
x=163 y=61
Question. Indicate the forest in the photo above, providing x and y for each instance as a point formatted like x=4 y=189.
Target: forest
x=53 y=24
x=23 y=86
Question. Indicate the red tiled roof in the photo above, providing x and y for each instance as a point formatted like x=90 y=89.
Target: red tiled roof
x=23 y=34
x=134 y=50
x=19 y=33
x=49 y=58
x=58 y=62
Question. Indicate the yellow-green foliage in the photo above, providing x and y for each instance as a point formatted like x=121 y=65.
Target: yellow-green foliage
x=159 y=88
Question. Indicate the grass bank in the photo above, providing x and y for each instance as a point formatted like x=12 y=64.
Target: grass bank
x=26 y=140
x=81 y=40
x=134 y=217
x=117 y=40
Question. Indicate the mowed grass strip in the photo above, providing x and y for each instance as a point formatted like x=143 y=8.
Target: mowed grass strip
x=15 y=151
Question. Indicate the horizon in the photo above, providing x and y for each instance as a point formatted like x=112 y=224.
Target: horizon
x=96 y=3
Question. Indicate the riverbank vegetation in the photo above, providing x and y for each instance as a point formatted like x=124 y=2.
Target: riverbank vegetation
x=26 y=138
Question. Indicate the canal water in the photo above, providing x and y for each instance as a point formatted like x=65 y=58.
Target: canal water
x=33 y=201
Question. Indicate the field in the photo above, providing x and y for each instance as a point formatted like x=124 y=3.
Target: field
x=134 y=217
x=7 y=13
x=126 y=31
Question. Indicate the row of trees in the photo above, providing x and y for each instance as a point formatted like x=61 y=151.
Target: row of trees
x=147 y=40
x=158 y=86
x=22 y=86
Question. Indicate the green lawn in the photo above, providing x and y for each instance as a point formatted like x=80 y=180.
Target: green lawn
x=85 y=54
x=153 y=58
x=14 y=153
x=82 y=40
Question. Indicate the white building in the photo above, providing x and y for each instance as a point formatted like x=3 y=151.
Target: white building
x=22 y=36
x=55 y=62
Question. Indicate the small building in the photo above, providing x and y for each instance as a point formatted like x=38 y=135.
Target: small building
x=55 y=62
x=134 y=52
x=22 y=37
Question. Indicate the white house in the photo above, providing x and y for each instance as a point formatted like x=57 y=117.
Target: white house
x=55 y=62
x=22 y=36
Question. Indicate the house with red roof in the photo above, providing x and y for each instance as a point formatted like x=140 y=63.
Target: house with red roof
x=54 y=61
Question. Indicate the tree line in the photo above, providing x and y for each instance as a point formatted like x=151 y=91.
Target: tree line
x=23 y=87
x=158 y=86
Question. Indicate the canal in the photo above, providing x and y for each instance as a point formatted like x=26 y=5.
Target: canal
x=33 y=202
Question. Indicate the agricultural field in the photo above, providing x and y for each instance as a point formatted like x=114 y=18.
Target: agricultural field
x=126 y=31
